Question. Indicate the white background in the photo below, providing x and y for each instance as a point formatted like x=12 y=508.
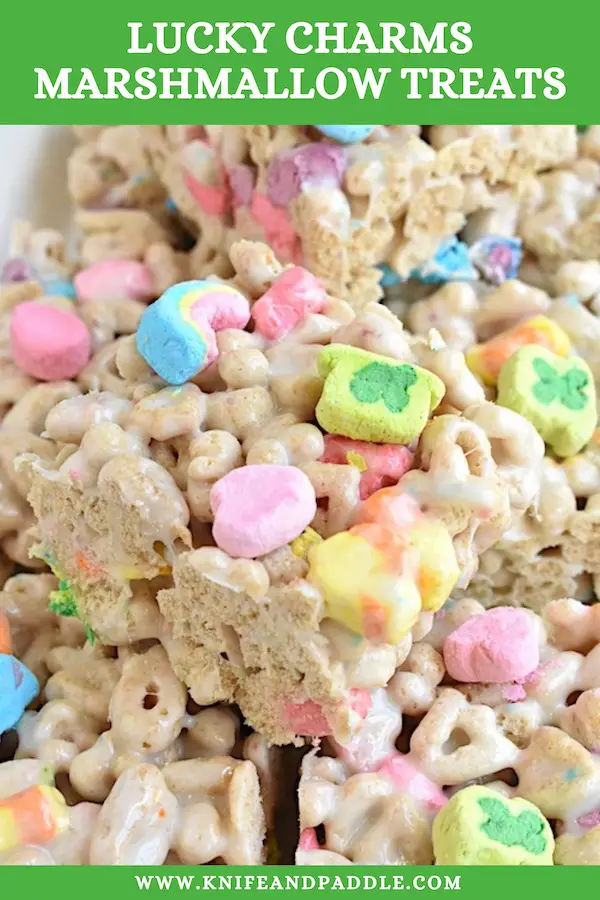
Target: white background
x=33 y=177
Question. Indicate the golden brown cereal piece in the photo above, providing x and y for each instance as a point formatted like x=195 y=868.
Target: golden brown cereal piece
x=450 y=310
x=578 y=849
x=221 y=814
x=266 y=639
x=285 y=441
x=458 y=482
x=479 y=747
x=519 y=580
x=581 y=544
x=339 y=485
x=147 y=711
x=256 y=266
x=117 y=234
x=104 y=536
x=108 y=319
x=572 y=625
x=367 y=821
x=541 y=770
x=18 y=292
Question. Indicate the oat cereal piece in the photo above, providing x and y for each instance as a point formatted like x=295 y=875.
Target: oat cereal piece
x=157 y=652
x=367 y=820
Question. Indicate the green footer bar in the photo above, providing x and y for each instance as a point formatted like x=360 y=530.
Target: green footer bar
x=96 y=882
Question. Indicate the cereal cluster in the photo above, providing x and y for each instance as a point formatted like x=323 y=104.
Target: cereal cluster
x=300 y=475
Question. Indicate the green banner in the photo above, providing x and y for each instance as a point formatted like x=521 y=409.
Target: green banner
x=146 y=62
x=520 y=882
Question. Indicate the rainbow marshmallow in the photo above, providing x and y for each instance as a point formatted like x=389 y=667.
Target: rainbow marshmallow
x=176 y=335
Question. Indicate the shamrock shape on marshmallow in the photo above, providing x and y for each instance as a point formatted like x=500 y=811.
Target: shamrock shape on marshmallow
x=567 y=389
x=478 y=827
x=557 y=395
x=368 y=397
x=526 y=830
x=380 y=381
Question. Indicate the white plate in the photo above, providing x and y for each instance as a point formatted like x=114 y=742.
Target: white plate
x=33 y=180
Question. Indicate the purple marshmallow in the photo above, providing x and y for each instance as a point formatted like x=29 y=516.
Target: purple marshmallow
x=314 y=165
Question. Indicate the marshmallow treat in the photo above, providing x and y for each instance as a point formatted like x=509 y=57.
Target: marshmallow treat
x=300 y=501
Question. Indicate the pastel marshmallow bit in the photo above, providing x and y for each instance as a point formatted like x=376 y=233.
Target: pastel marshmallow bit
x=451 y=262
x=389 y=278
x=212 y=199
x=499 y=645
x=176 y=334
x=392 y=508
x=307 y=166
x=294 y=295
x=307 y=719
x=16 y=269
x=205 y=178
x=258 y=509
x=59 y=287
x=346 y=134
x=279 y=232
x=5 y=635
x=241 y=181
x=18 y=687
x=367 y=578
x=369 y=397
x=437 y=570
x=36 y=815
x=479 y=827
x=497 y=258
x=380 y=465
x=49 y=343
x=556 y=395
x=115 y=279
x=486 y=360
x=410 y=780
x=301 y=545
x=308 y=840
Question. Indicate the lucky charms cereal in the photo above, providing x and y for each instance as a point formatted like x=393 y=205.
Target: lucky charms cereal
x=300 y=501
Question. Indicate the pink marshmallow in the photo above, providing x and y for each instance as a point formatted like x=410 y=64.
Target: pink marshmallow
x=311 y=165
x=49 y=343
x=307 y=718
x=212 y=200
x=279 y=232
x=115 y=279
x=308 y=840
x=295 y=294
x=499 y=645
x=514 y=693
x=588 y=820
x=361 y=701
x=241 y=182
x=222 y=308
x=407 y=778
x=258 y=509
x=386 y=463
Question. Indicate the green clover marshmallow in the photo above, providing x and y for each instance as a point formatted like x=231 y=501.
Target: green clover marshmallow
x=557 y=395
x=372 y=398
x=479 y=827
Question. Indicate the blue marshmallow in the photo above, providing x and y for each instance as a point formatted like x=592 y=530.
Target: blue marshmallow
x=18 y=687
x=389 y=278
x=346 y=134
x=59 y=287
x=451 y=262
x=497 y=258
